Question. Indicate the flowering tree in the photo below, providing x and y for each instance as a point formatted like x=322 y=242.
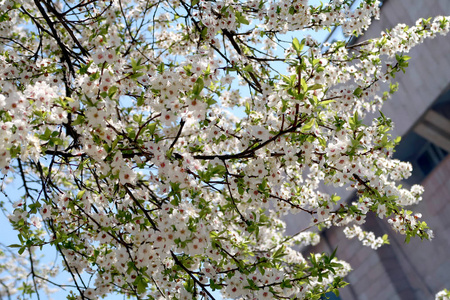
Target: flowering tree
x=154 y=175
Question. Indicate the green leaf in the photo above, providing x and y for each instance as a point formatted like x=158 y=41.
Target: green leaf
x=251 y=285
x=262 y=187
x=241 y=19
x=141 y=284
x=136 y=75
x=385 y=239
x=137 y=118
x=241 y=190
x=354 y=121
x=198 y=86
x=326 y=102
x=298 y=46
x=112 y=90
x=286 y=284
x=83 y=68
x=141 y=99
x=263 y=218
x=307 y=127
x=304 y=85
x=94 y=76
x=161 y=67
x=280 y=252
x=358 y=92
x=80 y=194
x=46 y=135
x=248 y=68
x=247 y=108
x=79 y=120
x=335 y=198
x=315 y=87
x=210 y=101
x=136 y=65
x=151 y=128
x=333 y=255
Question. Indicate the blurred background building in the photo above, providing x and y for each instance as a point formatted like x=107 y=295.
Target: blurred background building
x=421 y=112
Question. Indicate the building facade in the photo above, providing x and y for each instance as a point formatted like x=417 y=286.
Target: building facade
x=421 y=113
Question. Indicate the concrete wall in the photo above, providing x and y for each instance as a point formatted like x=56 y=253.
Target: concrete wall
x=417 y=270
x=428 y=74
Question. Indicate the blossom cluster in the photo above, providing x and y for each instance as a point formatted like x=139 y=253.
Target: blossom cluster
x=443 y=295
x=367 y=238
x=15 y=269
x=151 y=172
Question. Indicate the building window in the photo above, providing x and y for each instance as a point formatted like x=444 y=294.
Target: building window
x=422 y=154
x=431 y=156
x=330 y=296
